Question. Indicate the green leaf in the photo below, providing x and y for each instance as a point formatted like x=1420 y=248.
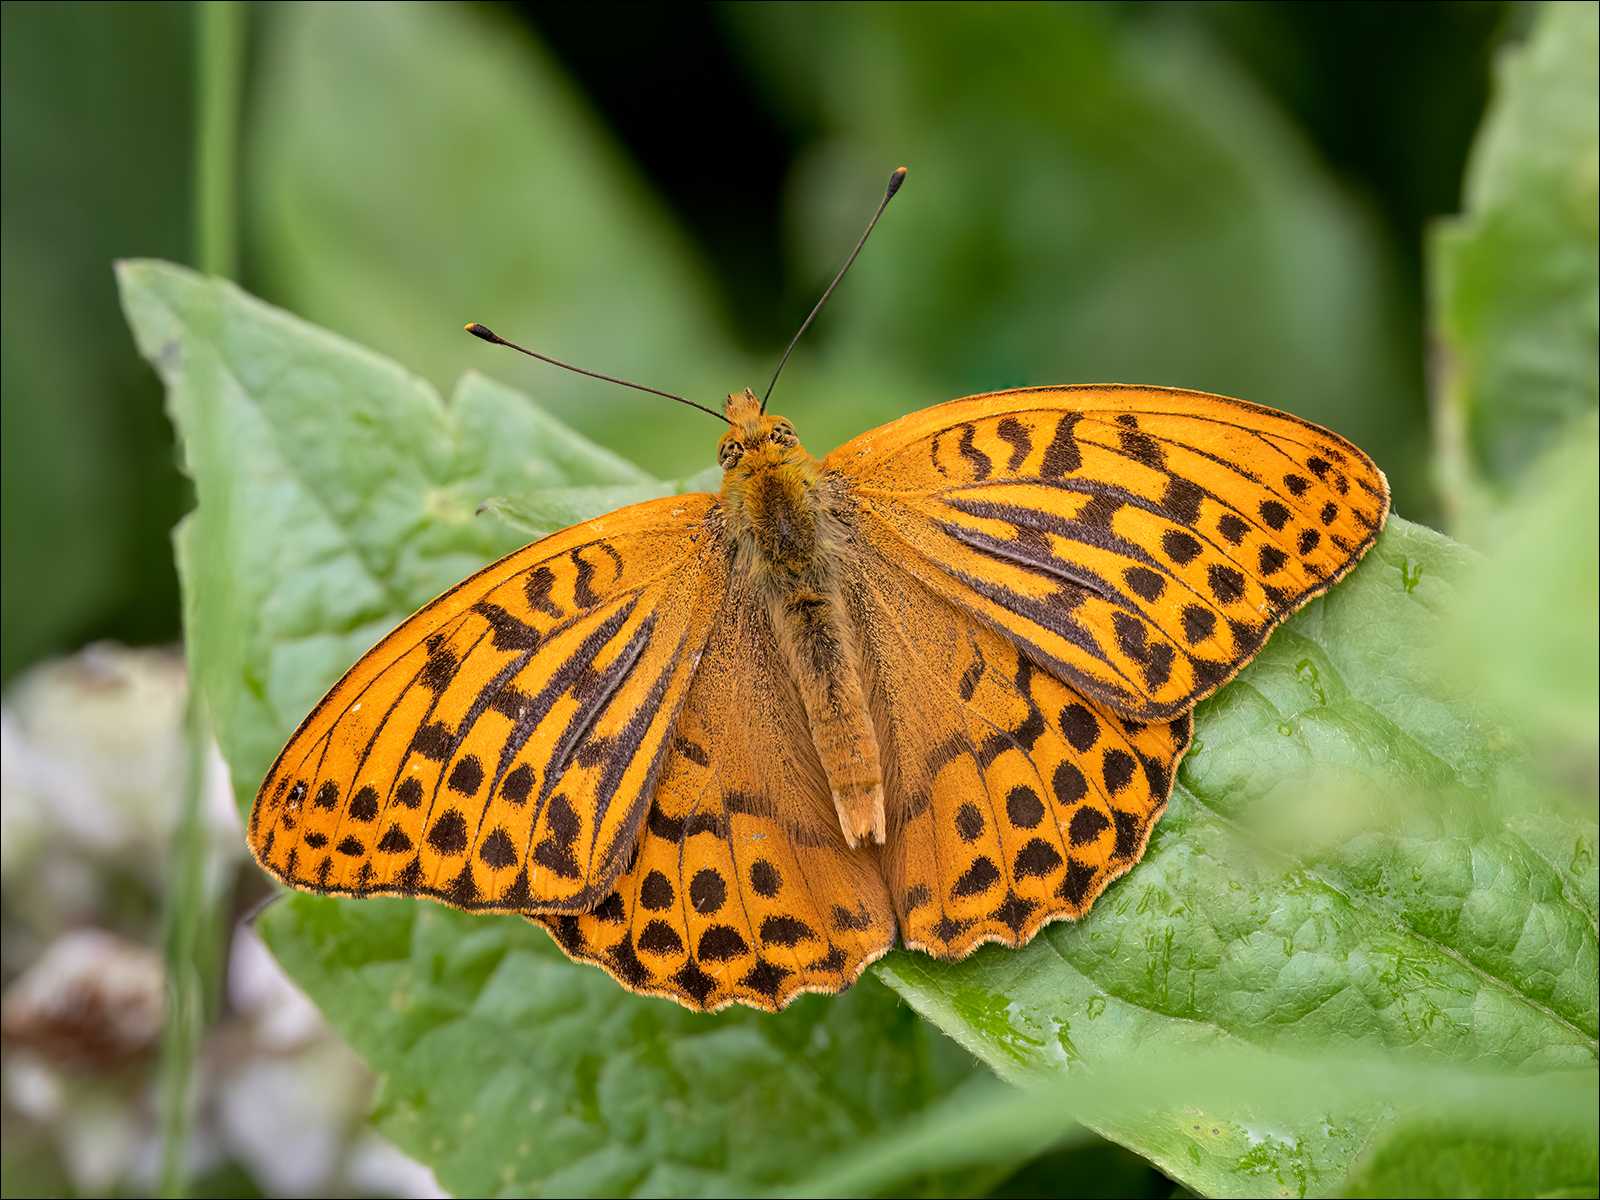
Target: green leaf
x=1350 y=865
x=513 y=1071
x=337 y=493
x=1517 y=278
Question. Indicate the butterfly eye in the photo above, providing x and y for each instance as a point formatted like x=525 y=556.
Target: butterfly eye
x=785 y=435
x=729 y=454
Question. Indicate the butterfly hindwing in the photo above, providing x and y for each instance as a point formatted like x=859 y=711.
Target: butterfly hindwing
x=1139 y=542
x=1013 y=799
x=497 y=751
x=742 y=888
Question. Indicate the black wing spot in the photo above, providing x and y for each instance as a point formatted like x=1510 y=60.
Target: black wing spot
x=537 y=590
x=449 y=833
x=695 y=982
x=327 y=795
x=1129 y=829
x=395 y=841
x=467 y=777
x=1232 y=529
x=1319 y=467
x=1014 y=911
x=1182 y=500
x=976 y=879
x=722 y=943
x=316 y=840
x=786 y=931
x=1087 y=824
x=665 y=827
x=1038 y=858
x=611 y=910
x=1274 y=514
x=765 y=878
x=1272 y=560
x=969 y=681
x=555 y=851
x=658 y=937
x=439 y=670
x=1198 y=623
x=1117 y=768
x=1016 y=433
x=969 y=822
x=1227 y=585
x=1180 y=547
x=1079 y=726
x=693 y=752
x=510 y=633
x=656 y=893
x=1024 y=807
x=364 y=804
x=1310 y=539
x=766 y=978
x=1330 y=513
x=1140 y=447
x=351 y=847
x=858 y=921
x=981 y=465
x=1061 y=456
x=1145 y=583
x=1069 y=784
x=917 y=895
x=409 y=794
x=433 y=741
x=518 y=784
x=1076 y=883
x=498 y=851
x=707 y=892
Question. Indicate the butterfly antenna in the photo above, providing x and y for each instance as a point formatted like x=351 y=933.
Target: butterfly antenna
x=895 y=181
x=489 y=335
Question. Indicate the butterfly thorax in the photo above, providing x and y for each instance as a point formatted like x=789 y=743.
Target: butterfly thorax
x=786 y=537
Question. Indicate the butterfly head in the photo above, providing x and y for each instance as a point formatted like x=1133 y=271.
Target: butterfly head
x=756 y=441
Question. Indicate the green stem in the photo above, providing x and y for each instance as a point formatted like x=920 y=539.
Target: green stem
x=195 y=935
x=219 y=67
x=186 y=921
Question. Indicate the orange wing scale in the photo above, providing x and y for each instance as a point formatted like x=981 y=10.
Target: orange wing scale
x=498 y=750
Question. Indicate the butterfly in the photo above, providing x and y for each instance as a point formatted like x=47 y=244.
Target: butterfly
x=930 y=690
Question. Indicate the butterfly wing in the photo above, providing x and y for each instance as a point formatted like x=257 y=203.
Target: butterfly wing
x=1012 y=799
x=498 y=750
x=742 y=888
x=1138 y=542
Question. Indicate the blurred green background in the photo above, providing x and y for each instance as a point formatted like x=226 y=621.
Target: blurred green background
x=1226 y=196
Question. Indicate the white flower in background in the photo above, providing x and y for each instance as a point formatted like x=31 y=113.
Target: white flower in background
x=92 y=770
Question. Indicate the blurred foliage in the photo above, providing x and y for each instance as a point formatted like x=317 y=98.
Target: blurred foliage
x=1378 y=873
x=94 y=124
x=663 y=194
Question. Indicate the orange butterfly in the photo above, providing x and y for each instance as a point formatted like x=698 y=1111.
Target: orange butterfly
x=934 y=687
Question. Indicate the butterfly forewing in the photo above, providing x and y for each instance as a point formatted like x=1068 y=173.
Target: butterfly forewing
x=743 y=888
x=1138 y=542
x=498 y=749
